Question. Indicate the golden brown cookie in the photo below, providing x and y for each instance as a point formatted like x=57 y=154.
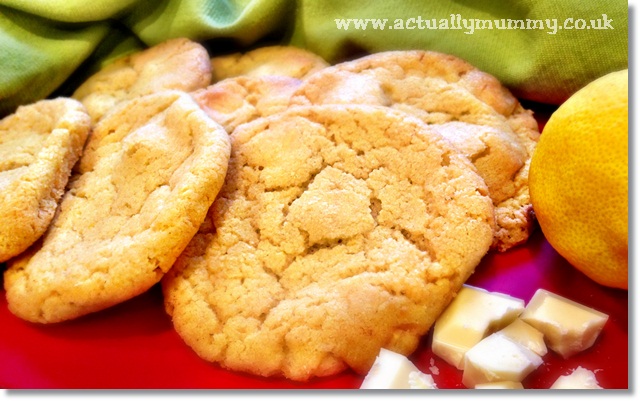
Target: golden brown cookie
x=39 y=144
x=176 y=64
x=466 y=105
x=238 y=100
x=287 y=61
x=151 y=170
x=339 y=230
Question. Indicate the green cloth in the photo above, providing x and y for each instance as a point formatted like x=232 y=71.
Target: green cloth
x=50 y=46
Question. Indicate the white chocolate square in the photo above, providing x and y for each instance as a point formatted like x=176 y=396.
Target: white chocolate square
x=568 y=327
x=472 y=315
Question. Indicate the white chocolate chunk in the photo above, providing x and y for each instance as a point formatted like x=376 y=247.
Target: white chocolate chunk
x=472 y=315
x=526 y=335
x=422 y=381
x=568 y=327
x=580 y=378
x=506 y=385
x=497 y=358
x=395 y=371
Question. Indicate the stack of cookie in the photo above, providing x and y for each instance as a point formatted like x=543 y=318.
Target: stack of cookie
x=150 y=169
x=300 y=216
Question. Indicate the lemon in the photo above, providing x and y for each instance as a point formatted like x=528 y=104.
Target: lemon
x=578 y=180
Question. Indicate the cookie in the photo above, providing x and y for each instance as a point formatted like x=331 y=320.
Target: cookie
x=150 y=171
x=39 y=144
x=238 y=100
x=339 y=230
x=466 y=105
x=287 y=61
x=176 y=64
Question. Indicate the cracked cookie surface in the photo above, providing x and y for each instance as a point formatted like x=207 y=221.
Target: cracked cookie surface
x=238 y=100
x=339 y=230
x=176 y=64
x=39 y=144
x=286 y=61
x=150 y=171
x=467 y=106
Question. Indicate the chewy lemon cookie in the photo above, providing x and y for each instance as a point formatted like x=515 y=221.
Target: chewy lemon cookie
x=176 y=64
x=287 y=61
x=238 y=100
x=39 y=144
x=469 y=107
x=339 y=230
x=150 y=171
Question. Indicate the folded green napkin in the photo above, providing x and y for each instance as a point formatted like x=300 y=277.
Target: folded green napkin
x=543 y=50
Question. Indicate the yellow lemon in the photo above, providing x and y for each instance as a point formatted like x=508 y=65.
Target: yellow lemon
x=578 y=180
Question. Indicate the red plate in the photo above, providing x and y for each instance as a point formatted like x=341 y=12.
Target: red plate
x=133 y=345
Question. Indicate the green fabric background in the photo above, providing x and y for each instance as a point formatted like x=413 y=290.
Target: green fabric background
x=50 y=46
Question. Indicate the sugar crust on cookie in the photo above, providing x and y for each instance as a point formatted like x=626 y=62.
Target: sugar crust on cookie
x=287 y=61
x=237 y=100
x=466 y=105
x=150 y=172
x=39 y=144
x=339 y=230
x=176 y=64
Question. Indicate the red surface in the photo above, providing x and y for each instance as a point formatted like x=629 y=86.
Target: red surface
x=133 y=345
